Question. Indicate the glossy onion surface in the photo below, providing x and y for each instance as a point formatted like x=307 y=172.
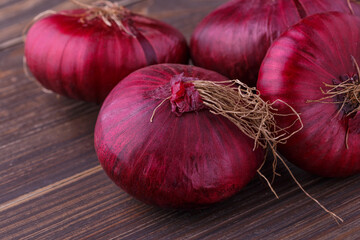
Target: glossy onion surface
x=234 y=39
x=84 y=59
x=184 y=161
x=316 y=51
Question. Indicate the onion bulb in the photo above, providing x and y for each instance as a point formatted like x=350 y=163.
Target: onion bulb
x=234 y=39
x=186 y=157
x=314 y=68
x=84 y=53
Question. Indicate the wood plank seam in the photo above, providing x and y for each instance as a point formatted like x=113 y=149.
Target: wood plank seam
x=11 y=43
x=49 y=188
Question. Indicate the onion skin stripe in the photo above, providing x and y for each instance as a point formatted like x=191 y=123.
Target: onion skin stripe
x=148 y=49
x=300 y=8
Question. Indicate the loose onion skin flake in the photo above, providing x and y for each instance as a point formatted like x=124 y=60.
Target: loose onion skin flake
x=313 y=67
x=234 y=39
x=186 y=157
x=84 y=53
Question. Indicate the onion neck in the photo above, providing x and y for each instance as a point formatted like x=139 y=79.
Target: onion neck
x=184 y=96
x=344 y=91
x=110 y=13
x=348 y=94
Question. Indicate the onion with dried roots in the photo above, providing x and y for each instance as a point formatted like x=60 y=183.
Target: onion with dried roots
x=314 y=68
x=234 y=38
x=181 y=136
x=186 y=157
x=84 y=53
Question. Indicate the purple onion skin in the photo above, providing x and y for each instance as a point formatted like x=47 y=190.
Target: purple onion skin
x=233 y=39
x=316 y=51
x=85 y=60
x=189 y=161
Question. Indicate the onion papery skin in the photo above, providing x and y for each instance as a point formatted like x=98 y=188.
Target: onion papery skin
x=233 y=39
x=187 y=161
x=85 y=59
x=316 y=51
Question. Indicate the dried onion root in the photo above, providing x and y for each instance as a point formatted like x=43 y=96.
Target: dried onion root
x=348 y=90
x=243 y=106
x=107 y=11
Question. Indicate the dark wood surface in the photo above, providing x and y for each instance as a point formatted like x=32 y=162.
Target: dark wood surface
x=52 y=187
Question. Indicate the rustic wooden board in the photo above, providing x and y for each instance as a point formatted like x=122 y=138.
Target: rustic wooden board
x=51 y=185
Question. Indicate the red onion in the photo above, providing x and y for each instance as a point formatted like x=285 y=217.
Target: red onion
x=84 y=53
x=313 y=67
x=187 y=157
x=234 y=38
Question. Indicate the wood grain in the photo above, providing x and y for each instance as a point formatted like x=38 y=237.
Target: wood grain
x=51 y=185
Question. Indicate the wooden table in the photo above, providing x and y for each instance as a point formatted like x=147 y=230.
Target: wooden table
x=52 y=187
